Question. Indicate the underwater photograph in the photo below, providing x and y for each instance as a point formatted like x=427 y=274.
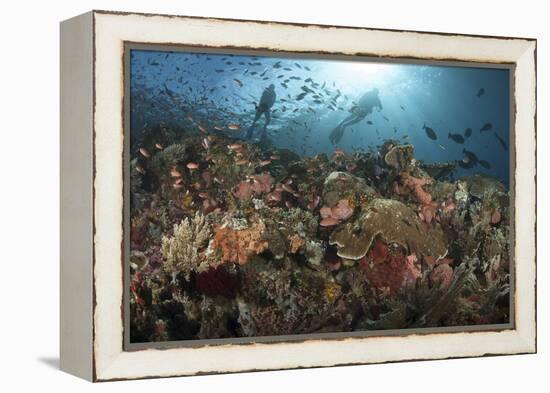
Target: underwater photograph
x=280 y=195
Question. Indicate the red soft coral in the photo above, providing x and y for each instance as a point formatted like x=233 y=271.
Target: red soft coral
x=415 y=185
x=389 y=270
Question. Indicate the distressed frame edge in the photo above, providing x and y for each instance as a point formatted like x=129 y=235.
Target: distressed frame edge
x=76 y=196
x=526 y=339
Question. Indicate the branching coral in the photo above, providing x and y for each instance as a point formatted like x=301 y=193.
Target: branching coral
x=182 y=250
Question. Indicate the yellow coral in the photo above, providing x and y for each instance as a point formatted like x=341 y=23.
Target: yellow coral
x=187 y=200
x=332 y=290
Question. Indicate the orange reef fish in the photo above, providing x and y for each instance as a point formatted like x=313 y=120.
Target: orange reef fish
x=234 y=146
x=144 y=152
x=175 y=173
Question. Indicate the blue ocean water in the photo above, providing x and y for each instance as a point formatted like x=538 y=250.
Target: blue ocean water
x=313 y=96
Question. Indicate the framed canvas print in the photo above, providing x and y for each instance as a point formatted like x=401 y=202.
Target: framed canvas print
x=245 y=195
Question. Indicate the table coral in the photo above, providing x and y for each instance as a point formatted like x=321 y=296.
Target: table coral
x=394 y=222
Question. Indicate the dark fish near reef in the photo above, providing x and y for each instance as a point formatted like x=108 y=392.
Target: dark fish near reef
x=467 y=132
x=501 y=141
x=480 y=92
x=469 y=160
x=470 y=155
x=430 y=132
x=484 y=164
x=486 y=127
x=456 y=138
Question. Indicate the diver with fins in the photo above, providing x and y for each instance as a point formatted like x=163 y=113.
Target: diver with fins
x=263 y=108
x=364 y=107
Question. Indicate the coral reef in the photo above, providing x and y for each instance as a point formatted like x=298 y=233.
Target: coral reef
x=238 y=240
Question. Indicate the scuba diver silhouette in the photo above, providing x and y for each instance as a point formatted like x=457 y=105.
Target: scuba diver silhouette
x=364 y=107
x=263 y=108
